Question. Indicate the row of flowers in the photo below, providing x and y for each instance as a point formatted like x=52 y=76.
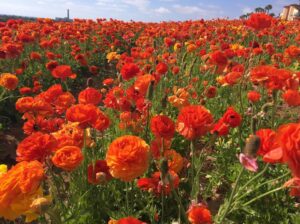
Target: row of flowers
x=163 y=92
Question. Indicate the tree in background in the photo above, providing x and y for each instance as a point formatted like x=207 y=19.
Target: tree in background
x=266 y=9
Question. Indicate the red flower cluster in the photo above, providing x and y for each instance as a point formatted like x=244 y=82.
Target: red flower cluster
x=230 y=119
x=259 y=21
x=157 y=185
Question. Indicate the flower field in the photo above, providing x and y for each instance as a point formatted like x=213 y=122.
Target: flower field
x=132 y=123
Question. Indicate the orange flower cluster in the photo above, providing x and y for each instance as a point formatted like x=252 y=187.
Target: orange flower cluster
x=19 y=188
x=88 y=115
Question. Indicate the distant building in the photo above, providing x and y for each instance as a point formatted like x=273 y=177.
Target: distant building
x=290 y=12
x=65 y=19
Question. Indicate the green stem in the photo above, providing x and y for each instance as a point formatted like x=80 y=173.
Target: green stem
x=181 y=210
x=255 y=177
x=192 y=147
x=241 y=96
x=127 y=199
x=84 y=150
x=66 y=85
x=2 y=94
x=262 y=195
x=274 y=108
x=262 y=184
x=162 y=207
x=231 y=196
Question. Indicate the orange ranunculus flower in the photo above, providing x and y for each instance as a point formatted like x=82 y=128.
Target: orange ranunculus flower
x=218 y=58
x=98 y=173
x=108 y=82
x=129 y=70
x=102 y=122
x=142 y=83
x=232 y=78
x=292 y=97
x=70 y=134
x=294 y=185
x=42 y=107
x=85 y=114
x=67 y=158
x=63 y=72
x=267 y=137
x=262 y=73
x=259 y=21
x=35 y=56
x=199 y=214
x=24 y=104
x=162 y=126
x=52 y=93
x=9 y=81
x=128 y=157
x=180 y=98
x=19 y=187
x=253 y=96
x=112 y=56
x=63 y=102
x=194 y=121
x=89 y=96
x=286 y=147
x=293 y=51
x=175 y=160
x=36 y=147
x=161 y=68
x=25 y=90
x=232 y=118
x=289 y=140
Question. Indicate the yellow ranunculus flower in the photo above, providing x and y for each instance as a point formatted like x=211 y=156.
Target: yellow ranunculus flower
x=3 y=169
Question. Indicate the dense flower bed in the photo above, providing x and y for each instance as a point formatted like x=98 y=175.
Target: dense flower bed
x=173 y=122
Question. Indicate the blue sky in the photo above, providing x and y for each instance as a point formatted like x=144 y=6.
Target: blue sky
x=139 y=10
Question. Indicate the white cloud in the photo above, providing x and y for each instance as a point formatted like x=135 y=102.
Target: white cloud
x=162 y=10
x=199 y=11
x=140 y=4
x=115 y=6
x=187 y=9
